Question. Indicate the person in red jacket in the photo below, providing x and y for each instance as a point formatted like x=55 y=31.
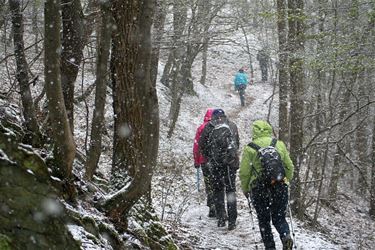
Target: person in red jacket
x=201 y=162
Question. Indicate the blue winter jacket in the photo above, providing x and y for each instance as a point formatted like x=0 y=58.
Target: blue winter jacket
x=240 y=78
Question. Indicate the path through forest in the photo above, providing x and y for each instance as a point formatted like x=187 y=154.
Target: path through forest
x=195 y=223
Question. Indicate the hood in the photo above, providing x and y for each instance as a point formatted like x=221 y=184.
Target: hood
x=208 y=115
x=261 y=129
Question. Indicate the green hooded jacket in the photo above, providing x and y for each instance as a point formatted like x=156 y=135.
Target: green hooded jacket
x=250 y=167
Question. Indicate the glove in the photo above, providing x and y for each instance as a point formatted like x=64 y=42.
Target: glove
x=286 y=181
x=197 y=165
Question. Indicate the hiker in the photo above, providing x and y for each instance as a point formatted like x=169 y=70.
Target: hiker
x=241 y=81
x=201 y=162
x=219 y=143
x=263 y=59
x=269 y=195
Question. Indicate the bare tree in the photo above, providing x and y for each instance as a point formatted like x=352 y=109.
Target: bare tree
x=283 y=71
x=64 y=147
x=22 y=73
x=372 y=191
x=177 y=55
x=158 y=31
x=2 y=13
x=135 y=105
x=71 y=56
x=97 y=125
x=296 y=39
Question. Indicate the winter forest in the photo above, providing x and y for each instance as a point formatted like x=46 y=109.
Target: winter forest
x=100 y=101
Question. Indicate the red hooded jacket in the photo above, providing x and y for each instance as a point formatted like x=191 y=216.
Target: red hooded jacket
x=198 y=157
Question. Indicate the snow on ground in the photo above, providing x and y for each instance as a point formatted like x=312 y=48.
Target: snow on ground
x=175 y=192
x=194 y=220
x=175 y=195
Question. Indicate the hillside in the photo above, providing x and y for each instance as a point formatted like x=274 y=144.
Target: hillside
x=183 y=207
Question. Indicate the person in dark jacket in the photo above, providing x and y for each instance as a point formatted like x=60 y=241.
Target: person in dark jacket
x=201 y=162
x=219 y=143
x=270 y=201
x=263 y=59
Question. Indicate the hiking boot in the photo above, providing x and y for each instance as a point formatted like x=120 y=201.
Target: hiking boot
x=287 y=243
x=221 y=223
x=212 y=212
x=231 y=226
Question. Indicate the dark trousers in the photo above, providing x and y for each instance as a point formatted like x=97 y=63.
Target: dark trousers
x=224 y=184
x=241 y=92
x=264 y=70
x=207 y=177
x=270 y=204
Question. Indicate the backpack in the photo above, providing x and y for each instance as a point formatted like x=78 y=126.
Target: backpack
x=270 y=159
x=222 y=144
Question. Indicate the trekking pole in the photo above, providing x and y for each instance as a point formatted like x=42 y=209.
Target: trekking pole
x=291 y=226
x=198 y=188
x=252 y=222
x=198 y=179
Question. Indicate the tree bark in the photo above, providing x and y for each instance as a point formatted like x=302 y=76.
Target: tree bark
x=97 y=125
x=135 y=107
x=179 y=54
x=2 y=13
x=372 y=191
x=204 y=61
x=167 y=69
x=283 y=72
x=71 y=56
x=361 y=143
x=337 y=160
x=22 y=74
x=158 y=29
x=35 y=28
x=64 y=147
x=296 y=35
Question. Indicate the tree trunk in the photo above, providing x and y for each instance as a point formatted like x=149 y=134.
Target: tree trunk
x=177 y=91
x=283 y=72
x=64 y=147
x=204 y=61
x=97 y=125
x=135 y=107
x=361 y=143
x=372 y=191
x=206 y=5
x=167 y=69
x=71 y=55
x=296 y=34
x=2 y=13
x=337 y=162
x=158 y=29
x=179 y=55
x=22 y=74
x=35 y=28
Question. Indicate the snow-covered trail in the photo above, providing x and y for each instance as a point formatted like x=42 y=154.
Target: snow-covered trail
x=244 y=236
x=196 y=221
x=219 y=93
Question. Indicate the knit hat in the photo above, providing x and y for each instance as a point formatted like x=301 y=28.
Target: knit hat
x=218 y=113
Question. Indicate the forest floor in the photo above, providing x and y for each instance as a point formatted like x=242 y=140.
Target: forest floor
x=186 y=209
x=183 y=208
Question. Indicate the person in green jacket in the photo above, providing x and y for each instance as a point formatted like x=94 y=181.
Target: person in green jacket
x=270 y=201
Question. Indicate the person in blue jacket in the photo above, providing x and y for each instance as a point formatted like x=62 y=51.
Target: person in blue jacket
x=241 y=81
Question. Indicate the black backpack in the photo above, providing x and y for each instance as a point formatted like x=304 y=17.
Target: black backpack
x=222 y=144
x=270 y=159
